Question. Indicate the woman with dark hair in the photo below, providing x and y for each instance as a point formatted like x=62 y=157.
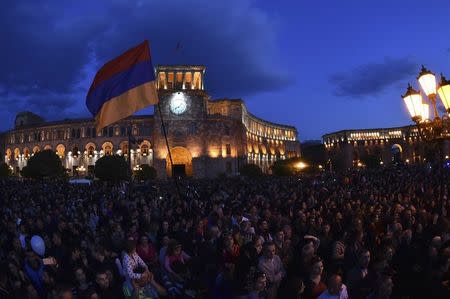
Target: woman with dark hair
x=146 y=251
x=138 y=276
x=175 y=261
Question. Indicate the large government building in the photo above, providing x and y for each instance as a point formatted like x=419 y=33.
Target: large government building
x=388 y=144
x=206 y=137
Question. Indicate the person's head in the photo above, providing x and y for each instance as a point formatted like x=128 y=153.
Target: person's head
x=287 y=231
x=279 y=236
x=56 y=239
x=228 y=241
x=48 y=277
x=80 y=276
x=174 y=248
x=269 y=250
x=264 y=226
x=130 y=246
x=99 y=254
x=165 y=225
x=143 y=240
x=165 y=240
x=257 y=243
x=316 y=266
x=364 y=258
x=101 y=278
x=64 y=292
x=75 y=253
x=334 y=284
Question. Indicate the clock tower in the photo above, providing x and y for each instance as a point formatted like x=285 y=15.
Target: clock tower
x=183 y=108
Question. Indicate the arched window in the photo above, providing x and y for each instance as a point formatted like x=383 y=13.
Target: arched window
x=26 y=153
x=144 y=150
x=75 y=151
x=60 y=150
x=124 y=147
x=90 y=149
x=107 y=148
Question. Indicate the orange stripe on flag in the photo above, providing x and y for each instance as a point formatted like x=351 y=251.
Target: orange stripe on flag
x=126 y=104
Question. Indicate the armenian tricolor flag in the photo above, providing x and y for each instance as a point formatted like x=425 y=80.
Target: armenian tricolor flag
x=123 y=86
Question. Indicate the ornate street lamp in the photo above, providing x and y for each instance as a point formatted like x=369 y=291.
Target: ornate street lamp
x=432 y=131
x=429 y=129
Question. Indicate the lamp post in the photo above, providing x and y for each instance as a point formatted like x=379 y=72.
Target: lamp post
x=431 y=131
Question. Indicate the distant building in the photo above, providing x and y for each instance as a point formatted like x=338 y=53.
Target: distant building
x=206 y=137
x=389 y=144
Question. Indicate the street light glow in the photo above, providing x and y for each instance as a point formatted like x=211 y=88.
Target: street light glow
x=427 y=81
x=301 y=165
x=413 y=101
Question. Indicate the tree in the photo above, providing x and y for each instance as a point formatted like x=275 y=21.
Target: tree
x=286 y=167
x=42 y=165
x=371 y=161
x=251 y=170
x=146 y=172
x=4 y=170
x=111 y=168
x=314 y=154
x=338 y=161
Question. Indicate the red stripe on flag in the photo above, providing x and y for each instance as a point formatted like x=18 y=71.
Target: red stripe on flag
x=123 y=62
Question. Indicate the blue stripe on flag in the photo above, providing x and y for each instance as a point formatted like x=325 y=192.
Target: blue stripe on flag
x=120 y=83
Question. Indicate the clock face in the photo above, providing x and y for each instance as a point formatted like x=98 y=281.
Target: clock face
x=178 y=103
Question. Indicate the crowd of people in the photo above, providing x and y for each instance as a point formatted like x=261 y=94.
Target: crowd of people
x=364 y=234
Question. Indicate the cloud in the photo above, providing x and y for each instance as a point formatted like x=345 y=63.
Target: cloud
x=372 y=78
x=54 y=48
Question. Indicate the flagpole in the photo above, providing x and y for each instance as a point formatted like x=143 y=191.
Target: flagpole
x=168 y=148
x=130 y=172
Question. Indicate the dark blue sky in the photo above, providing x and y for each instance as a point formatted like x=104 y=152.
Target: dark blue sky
x=322 y=65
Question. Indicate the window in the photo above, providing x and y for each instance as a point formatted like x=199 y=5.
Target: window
x=110 y=132
x=229 y=168
x=108 y=150
x=104 y=132
x=122 y=131
x=144 y=149
x=170 y=80
x=188 y=80
x=228 y=149
x=144 y=131
x=91 y=150
x=162 y=80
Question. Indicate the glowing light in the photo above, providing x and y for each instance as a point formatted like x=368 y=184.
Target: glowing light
x=81 y=168
x=427 y=81
x=300 y=165
x=407 y=160
x=444 y=92
x=413 y=101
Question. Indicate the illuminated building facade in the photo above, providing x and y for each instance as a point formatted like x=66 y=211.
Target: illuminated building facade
x=206 y=137
x=388 y=144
